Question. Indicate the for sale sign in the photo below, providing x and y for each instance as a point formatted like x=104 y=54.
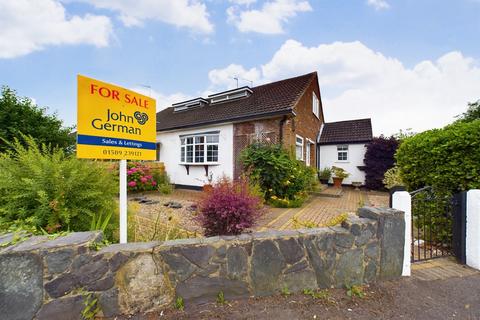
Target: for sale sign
x=114 y=122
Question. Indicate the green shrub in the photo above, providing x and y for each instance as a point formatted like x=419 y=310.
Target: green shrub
x=277 y=172
x=50 y=190
x=164 y=185
x=392 y=178
x=447 y=159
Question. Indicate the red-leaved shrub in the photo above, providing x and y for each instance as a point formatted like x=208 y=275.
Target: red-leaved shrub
x=229 y=208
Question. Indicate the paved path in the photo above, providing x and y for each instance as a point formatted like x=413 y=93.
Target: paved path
x=320 y=210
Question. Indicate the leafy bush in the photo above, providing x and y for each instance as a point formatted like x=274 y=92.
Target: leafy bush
x=229 y=208
x=340 y=173
x=47 y=189
x=379 y=157
x=277 y=173
x=392 y=178
x=20 y=116
x=325 y=173
x=447 y=159
x=139 y=177
x=472 y=113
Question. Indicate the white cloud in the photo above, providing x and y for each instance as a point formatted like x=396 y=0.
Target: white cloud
x=378 y=4
x=269 y=19
x=357 y=82
x=242 y=2
x=191 y=14
x=224 y=78
x=28 y=26
x=163 y=100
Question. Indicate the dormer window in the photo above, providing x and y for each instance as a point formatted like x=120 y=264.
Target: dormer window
x=189 y=104
x=238 y=93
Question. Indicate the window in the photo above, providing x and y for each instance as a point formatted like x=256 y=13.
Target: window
x=299 y=148
x=192 y=148
x=316 y=105
x=342 y=152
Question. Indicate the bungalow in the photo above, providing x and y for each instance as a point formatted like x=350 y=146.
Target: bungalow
x=201 y=139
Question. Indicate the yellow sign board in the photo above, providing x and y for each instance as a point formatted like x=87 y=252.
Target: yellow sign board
x=114 y=123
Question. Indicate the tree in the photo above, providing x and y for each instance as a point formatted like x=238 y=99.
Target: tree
x=20 y=116
x=379 y=157
x=472 y=113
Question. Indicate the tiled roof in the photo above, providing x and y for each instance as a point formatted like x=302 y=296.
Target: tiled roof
x=266 y=100
x=347 y=131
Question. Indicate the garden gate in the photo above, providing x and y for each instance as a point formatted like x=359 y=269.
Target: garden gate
x=438 y=225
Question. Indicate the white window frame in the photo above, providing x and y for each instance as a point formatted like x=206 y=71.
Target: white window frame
x=184 y=144
x=315 y=105
x=298 y=144
x=342 y=149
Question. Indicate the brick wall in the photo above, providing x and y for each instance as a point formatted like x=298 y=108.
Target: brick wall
x=304 y=124
x=245 y=133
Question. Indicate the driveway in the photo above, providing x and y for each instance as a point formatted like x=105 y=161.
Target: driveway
x=320 y=210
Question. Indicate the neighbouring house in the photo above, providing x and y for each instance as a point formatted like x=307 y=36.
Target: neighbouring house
x=201 y=139
x=343 y=144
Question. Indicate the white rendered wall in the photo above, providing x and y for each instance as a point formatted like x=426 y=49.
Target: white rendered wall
x=401 y=200
x=356 y=154
x=473 y=225
x=170 y=156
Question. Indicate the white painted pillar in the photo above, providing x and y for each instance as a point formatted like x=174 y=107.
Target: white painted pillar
x=401 y=200
x=123 y=200
x=472 y=245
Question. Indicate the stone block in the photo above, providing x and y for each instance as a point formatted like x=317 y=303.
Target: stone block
x=198 y=290
x=237 y=260
x=142 y=286
x=178 y=265
x=93 y=271
x=198 y=255
x=349 y=268
x=21 y=285
x=291 y=250
x=62 y=285
x=69 y=308
x=267 y=266
x=58 y=261
x=108 y=302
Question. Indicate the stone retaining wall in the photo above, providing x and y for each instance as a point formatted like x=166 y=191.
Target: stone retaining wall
x=50 y=279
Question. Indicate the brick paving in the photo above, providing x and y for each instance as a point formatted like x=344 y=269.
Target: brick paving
x=320 y=210
x=440 y=269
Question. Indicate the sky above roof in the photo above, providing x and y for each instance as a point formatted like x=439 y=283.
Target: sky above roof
x=403 y=63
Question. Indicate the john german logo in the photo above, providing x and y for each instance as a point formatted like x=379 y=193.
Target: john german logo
x=141 y=117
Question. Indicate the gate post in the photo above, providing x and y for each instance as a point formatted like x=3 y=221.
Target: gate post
x=472 y=235
x=401 y=200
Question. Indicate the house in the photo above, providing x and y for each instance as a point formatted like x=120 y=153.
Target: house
x=343 y=144
x=201 y=139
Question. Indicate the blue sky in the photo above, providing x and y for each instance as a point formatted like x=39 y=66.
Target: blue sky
x=405 y=64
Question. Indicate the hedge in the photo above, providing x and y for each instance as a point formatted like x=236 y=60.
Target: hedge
x=447 y=159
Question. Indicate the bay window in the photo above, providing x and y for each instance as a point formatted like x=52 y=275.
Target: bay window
x=201 y=148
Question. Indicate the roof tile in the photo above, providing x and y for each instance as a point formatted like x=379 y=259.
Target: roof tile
x=347 y=131
x=274 y=98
